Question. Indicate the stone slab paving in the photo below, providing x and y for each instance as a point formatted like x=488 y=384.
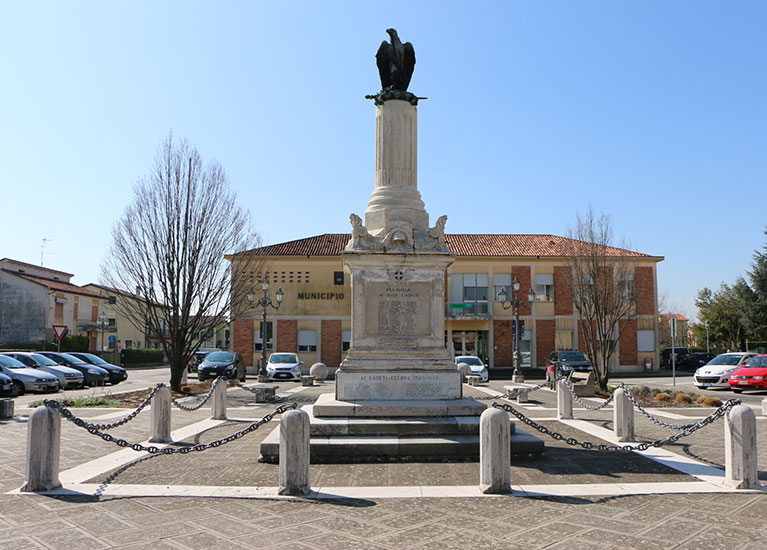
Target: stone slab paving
x=678 y=521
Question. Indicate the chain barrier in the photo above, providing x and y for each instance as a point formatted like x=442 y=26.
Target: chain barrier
x=655 y=419
x=582 y=403
x=277 y=398
x=720 y=412
x=66 y=413
x=508 y=394
x=200 y=403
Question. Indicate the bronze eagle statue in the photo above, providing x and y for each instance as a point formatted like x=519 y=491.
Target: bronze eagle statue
x=396 y=62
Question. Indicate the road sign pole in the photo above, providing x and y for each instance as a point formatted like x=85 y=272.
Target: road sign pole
x=673 y=350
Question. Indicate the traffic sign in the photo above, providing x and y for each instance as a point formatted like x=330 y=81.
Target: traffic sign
x=112 y=338
x=60 y=331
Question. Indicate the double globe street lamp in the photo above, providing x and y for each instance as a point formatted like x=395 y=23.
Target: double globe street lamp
x=265 y=303
x=517 y=303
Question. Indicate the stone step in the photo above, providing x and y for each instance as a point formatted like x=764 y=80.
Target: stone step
x=396 y=448
x=328 y=406
x=445 y=425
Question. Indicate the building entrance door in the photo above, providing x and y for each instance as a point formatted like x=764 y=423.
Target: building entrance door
x=470 y=342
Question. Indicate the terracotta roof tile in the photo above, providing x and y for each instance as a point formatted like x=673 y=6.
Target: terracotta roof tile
x=332 y=244
x=57 y=285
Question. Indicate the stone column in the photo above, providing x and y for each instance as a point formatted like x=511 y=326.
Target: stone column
x=219 y=399
x=564 y=401
x=623 y=416
x=294 y=453
x=764 y=407
x=43 y=445
x=740 y=459
x=494 y=452
x=159 y=431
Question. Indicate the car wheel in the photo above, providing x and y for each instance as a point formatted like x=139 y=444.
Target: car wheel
x=243 y=377
x=18 y=388
x=737 y=390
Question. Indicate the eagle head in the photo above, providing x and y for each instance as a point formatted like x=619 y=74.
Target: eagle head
x=392 y=33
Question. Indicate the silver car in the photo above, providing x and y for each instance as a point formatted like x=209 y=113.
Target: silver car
x=6 y=385
x=26 y=379
x=69 y=378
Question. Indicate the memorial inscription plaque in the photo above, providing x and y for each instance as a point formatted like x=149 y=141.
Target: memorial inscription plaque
x=397 y=309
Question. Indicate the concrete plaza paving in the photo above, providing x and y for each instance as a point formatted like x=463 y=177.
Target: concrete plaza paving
x=586 y=498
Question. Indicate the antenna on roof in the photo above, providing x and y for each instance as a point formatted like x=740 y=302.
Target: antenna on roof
x=42 y=249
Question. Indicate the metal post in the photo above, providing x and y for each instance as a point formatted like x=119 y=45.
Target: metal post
x=707 y=350
x=263 y=376
x=673 y=350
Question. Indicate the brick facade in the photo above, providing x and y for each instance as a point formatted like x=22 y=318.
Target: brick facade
x=243 y=339
x=544 y=340
x=627 y=347
x=503 y=341
x=287 y=335
x=331 y=343
x=563 y=296
x=645 y=290
x=522 y=272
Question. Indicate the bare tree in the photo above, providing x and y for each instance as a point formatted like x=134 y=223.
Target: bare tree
x=601 y=281
x=170 y=246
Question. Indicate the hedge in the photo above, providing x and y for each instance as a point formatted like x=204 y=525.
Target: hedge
x=135 y=356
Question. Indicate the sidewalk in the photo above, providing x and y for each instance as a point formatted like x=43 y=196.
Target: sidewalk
x=681 y=521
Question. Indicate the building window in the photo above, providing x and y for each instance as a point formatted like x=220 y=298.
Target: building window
x=627 y=287
x=645 y=340
x=501 y=282
x=338 y=278
x=307 y=340
x=128 y=344
x=468 y=293
x=112 y=322
x=258 y=338
x=544 y=288
x=346 y=340
x=564 y=340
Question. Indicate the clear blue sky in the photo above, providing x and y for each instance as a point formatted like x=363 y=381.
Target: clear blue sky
x=654 y=112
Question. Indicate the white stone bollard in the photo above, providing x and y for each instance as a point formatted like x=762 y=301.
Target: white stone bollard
x=764 y=407
x=319 y=371
x=623 y=416
x=522 y=395
x=159 y=428
x=564 y=401
x=6 y=408
x=464 y=369
x=219 y=399
x=494 y=452
x=740 y=461
x=294 y=453
x=43 y=444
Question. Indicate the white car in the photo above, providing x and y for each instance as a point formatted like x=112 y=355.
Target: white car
x=716 y=373
x=284 y=366
x=475 y=364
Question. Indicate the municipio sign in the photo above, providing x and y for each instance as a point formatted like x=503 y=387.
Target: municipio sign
x=60 y=331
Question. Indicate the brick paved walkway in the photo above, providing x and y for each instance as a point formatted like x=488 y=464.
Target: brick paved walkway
x=677 y=521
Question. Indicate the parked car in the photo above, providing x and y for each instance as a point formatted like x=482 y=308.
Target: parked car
x=69 y=378
x=567 y=362
x=94 y=376
x=695 y=360
x=751 y=376
x=26 y=379
x=284 y=366
x=221 y=363
x=197 y=358
x=116 y=374
x=6 y=385
x=476 y=365
x=716 y=373
x=680 y=352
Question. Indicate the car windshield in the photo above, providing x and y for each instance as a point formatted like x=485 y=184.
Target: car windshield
x=726 y=359
x=11 y=363
x=573 y=356
x=74 y=360
x=219 y=357
x=471 y=361
x=43 y=360
x=95 y=359
x=757 y=362
x=283 y=358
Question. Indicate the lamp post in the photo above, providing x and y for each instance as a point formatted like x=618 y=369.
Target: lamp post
x=265 y=303
x=706 y=323
x=516 y=302
x=102 y=324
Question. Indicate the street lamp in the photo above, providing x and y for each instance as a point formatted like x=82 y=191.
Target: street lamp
x=706 y=323
x=265 y=303
x=516 y=302
x=102 y=324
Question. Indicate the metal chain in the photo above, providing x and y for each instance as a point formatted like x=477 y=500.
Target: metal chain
x=201 y=403
x=277 y=398
x=569 y=385
x=508 y=394
x=720 y=412
x=66 y=413
x=658 y=421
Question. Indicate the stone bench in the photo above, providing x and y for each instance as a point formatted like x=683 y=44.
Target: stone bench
x=307 y=380
x=473 y=380
x=265 y=394
x=583 y=383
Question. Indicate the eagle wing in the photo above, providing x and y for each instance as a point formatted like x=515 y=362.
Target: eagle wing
x=408 y=62
x=383 y=60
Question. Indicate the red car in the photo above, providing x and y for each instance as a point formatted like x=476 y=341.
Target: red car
x=751 y=376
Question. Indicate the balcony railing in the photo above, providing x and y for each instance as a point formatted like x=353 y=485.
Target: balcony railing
x=467 y=309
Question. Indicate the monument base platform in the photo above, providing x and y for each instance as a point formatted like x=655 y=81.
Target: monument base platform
x=328 y=406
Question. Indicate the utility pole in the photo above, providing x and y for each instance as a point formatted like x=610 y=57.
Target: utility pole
x=42 y=249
